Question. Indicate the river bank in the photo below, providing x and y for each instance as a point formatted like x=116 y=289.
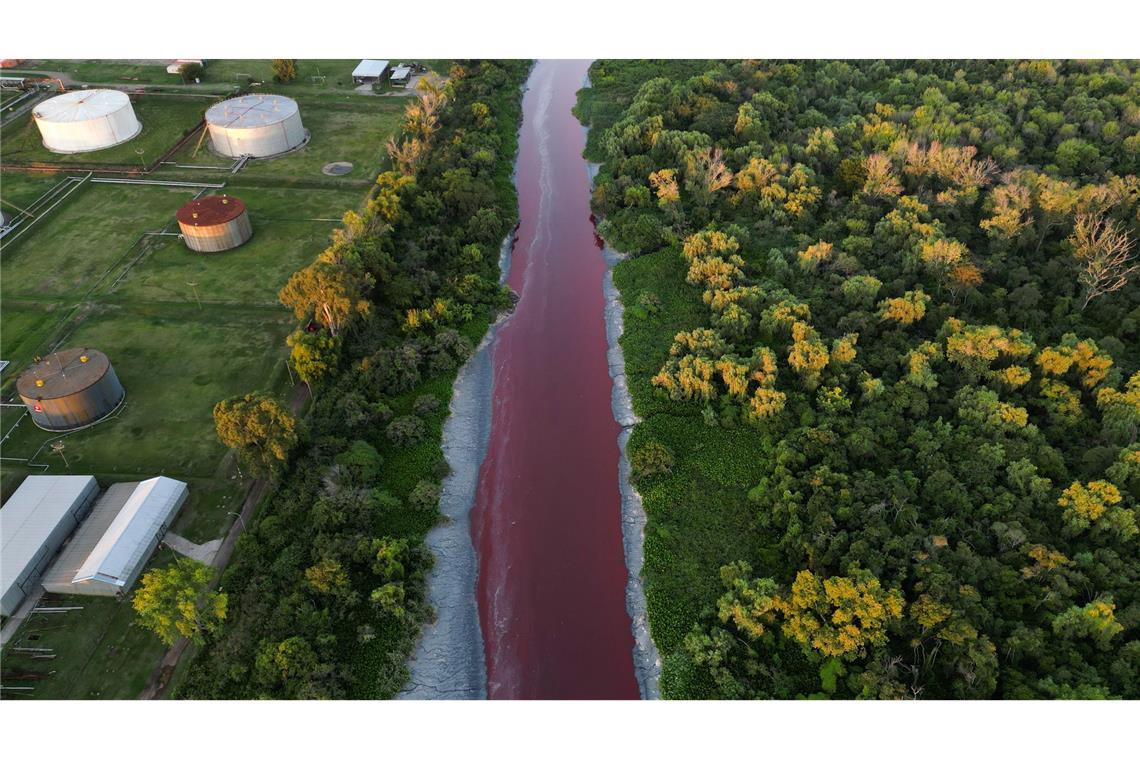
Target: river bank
x=448 y=662
x=646 y=658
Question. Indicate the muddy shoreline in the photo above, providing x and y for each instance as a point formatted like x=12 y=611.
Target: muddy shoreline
x=448 y=662
x=646 y=658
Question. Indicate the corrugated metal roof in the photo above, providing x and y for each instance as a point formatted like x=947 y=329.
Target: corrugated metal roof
x=370 y=67
x=249 y=111
x=62 y=571
x=32 y=513
x=81 y=105
x=120 y=551
x=402 y=72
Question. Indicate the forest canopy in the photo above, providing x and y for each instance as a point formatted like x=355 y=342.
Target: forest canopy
x=883 y=324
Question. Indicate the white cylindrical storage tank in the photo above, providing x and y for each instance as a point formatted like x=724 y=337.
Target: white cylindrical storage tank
x=214 y=223
x=255 y=125
x=85 y=120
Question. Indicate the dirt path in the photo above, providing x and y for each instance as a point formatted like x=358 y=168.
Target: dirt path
x=159 y=681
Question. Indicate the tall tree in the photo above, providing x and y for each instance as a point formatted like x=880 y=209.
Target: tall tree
x=173 y=601
x=258 y=428
x=1104 y=254
x=331 y=293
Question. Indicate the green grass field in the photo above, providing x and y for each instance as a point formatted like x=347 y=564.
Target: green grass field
x=290 y=229
x=86 y=240
x=102 y=72
x=165 y=120
x=20 y=189
x=351 y=128
x=175 y=363
x=99 y=651
x=218 y=74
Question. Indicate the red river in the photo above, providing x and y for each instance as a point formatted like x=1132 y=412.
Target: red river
x=547 y=518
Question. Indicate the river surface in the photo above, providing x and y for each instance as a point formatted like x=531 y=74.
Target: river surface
x=547 y=520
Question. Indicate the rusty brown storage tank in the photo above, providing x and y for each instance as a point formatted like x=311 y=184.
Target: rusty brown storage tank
x=67 y=390
x=214 y=223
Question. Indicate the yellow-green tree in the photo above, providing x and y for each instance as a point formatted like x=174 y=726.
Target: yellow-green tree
x=328 y=577
x=331 y=294
x=839 y=616
x=1120 y=410
x=1095 y=620
x=174 y=601
x=1085 y=503
x=313 y=355
x=907 y=309
x=751 y=604
x=258 y=428
x=975 y=348
x=284 y=69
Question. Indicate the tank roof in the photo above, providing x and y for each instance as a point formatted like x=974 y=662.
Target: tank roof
x=81 y=105
x=62 y=373
x=250 y=111
x=211 y=210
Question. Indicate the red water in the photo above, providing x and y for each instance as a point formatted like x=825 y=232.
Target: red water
x=547 y=524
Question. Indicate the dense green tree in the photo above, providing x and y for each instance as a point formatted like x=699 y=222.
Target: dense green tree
x=174 y=601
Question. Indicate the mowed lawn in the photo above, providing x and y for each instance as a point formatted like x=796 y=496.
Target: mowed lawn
x=175 y=363
x=290 y=228
x=100 y=653
x=24 y=332
x=351 y=128
x=165 y=120
x=19 y=189
x=67 y=254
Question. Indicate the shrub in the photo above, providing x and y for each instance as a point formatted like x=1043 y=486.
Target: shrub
x=406 y=431
x=425 y=404
x=424 y=496
x=649 y=459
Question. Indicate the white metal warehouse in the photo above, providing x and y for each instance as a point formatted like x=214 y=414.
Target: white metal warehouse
x=122 y=551
x=84 y=120
x=35 y=521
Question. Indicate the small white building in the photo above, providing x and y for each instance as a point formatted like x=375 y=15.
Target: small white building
x=401 y=76
x=369 y=70
x=109 y=552
x=34 y=523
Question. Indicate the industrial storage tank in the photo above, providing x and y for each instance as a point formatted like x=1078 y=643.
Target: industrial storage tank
x=84 y=120
x=67 y=390
x=255 y=125
x=214 y=223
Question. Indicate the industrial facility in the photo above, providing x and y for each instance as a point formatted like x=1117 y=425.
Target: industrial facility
x=255 y=125
x=214 y=223
x=68 y=390
x=85 y=120
x=34 y=523
x=111 y=548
